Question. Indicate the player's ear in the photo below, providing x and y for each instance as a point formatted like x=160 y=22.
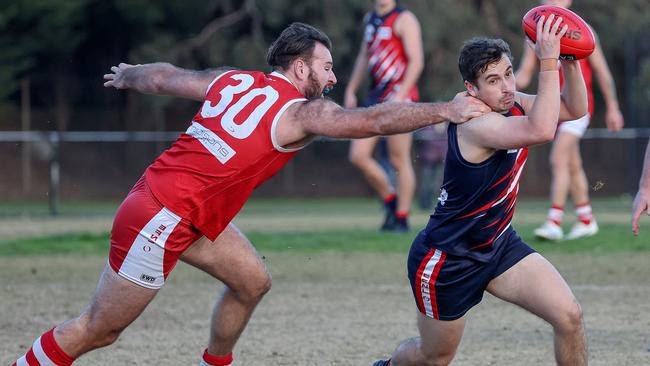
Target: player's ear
x=300 y=69
x=471 y=89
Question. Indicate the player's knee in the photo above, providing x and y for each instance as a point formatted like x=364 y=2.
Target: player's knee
x=400 y=163
x=558 y=161
x=358 y=159
x=570 y=319
x=97 y=333
x=256 y=286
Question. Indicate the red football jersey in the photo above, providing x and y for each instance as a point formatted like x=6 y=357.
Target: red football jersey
x=229 y=149
x=387 y=60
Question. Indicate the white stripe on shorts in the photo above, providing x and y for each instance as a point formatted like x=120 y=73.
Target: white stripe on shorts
x=22 y=361
x=143 y=264
x=426 y=276
x=40 y=354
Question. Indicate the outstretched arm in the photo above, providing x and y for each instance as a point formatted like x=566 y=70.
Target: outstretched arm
x=325 y=118
x=642 y=199
x=162 y=79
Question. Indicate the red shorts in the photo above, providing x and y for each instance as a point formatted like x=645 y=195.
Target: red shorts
x=147 y=238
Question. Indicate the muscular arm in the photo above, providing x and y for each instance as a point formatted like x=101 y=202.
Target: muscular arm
x=162 y=79
x=325 y=118
x=358 y=74
x=494 y=131
x=480 y=137
x=642 y=199
x=526 y=69
x=407 y=28
x=613 y=117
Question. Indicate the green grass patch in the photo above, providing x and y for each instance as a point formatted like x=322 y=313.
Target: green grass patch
x=611 y=238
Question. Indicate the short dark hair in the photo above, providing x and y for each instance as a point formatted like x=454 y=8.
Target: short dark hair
x=477 y=53
x=296 y=41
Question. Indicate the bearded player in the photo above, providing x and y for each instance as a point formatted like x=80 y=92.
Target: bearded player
x=249 y=126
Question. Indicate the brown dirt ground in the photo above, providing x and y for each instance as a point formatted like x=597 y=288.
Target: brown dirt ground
x=327 y=309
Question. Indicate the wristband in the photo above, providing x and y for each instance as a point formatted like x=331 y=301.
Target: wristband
x=548 y=64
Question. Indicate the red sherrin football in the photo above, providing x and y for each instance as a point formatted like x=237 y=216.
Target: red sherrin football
x=577 y=43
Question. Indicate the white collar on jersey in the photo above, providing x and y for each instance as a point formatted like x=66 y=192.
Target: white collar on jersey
x=281 y=76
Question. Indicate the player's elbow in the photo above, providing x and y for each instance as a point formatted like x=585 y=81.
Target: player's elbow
x=547 y=135
x=543 y=135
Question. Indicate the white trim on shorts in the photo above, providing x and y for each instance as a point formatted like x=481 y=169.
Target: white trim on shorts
x=143 y=265
x=576 y=127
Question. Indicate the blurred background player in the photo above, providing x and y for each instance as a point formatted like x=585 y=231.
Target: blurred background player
x=567 y=172
x=391 y=52
x=642 y=199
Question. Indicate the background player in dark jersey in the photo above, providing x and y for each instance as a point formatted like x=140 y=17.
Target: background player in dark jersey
x=391 y=52
x=567 y=171
x=249 y=125
x=642 y=199
x=469 y=246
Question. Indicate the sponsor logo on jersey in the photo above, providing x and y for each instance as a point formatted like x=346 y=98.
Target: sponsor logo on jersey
x=215 y=145
x=443 y=197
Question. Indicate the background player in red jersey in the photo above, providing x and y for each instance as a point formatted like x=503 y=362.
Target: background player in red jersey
x=567 y=172
x=469 y=245
x=642 y=200
x=391 y=52
x=249 y=125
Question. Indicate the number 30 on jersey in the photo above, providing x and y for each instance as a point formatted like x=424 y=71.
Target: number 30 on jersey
x=243 y=130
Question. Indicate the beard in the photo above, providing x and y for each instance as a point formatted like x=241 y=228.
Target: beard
x=313 y=90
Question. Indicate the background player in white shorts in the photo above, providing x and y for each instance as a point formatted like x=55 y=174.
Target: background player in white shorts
x=567 y=172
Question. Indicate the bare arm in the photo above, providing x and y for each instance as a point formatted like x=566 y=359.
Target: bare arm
x=495 y=131
x=408 y=29
x=613 y=116
x=326 y=118
x=574 y=103
x=642 y=199
x=162 y=79
x=527 y=67
x=358 y=74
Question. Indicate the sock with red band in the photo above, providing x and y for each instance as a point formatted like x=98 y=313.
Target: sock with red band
x=584 y=213
x=212 y=360
x=555 y=214
x=45 y=351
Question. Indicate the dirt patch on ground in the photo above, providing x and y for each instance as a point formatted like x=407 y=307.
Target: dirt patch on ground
x=327 y=309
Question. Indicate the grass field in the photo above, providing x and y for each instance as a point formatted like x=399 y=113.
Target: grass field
x=339 y=297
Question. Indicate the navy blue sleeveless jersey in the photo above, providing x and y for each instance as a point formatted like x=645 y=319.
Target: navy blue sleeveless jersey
x=477 y=201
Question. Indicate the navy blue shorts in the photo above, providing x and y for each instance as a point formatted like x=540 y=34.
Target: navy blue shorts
x=446 y=286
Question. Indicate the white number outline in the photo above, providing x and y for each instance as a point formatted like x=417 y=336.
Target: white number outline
x=246 y=128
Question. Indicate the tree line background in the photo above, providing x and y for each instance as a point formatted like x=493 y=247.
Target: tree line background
x=53 y=54
x=63 y=47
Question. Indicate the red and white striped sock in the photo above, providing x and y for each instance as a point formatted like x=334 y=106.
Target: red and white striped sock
x=555 y=214
x=212 y=360
x=584 y=213
x=45 y=351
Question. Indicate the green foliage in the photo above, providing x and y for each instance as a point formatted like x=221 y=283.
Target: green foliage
x=37 y=36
